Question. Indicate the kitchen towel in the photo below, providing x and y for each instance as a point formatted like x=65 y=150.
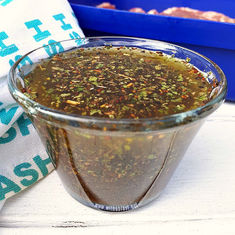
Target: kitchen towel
x=24 y=26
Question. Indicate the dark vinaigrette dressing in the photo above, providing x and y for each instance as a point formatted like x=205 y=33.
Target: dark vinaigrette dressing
x=106 y=169
x=117 y=83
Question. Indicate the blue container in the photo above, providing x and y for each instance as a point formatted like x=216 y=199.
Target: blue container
x=213 y=39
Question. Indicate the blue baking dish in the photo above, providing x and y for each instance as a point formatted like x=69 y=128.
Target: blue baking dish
x=215 y=40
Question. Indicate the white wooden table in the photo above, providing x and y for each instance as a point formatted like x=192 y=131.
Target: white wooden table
x=200 y=198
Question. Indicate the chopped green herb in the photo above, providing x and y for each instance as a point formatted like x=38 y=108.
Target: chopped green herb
x=92 y=79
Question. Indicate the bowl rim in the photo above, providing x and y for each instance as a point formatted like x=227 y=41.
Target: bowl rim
x=178 y=118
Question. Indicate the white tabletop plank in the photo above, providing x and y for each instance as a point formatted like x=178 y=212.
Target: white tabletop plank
x=199 y=199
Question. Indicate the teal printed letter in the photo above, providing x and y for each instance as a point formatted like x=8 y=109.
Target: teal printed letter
x=40 y=34
x=74 y=35
x=1 y=103
x=23 y=173
x=42 y=164
x=23 y=125
x=53 y=48
x=10 y=186
x=11 y=134
x=4 y=3
x=4 y=49
x=22 y=63
x=6 y=116
x=60 y=17
x=74 y=15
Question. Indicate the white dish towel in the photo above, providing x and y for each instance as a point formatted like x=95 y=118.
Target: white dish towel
x=24 y=26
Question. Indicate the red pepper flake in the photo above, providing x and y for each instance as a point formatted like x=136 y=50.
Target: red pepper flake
x=72 y=102
x=57 y=57
x=194 y=70
x=130 y=105
x=97 y=70
x=132 y=115
x=129 y=85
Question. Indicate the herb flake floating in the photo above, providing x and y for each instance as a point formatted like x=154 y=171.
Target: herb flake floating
x=117 y=83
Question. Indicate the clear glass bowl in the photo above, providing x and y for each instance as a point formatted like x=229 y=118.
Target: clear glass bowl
x=110 y=164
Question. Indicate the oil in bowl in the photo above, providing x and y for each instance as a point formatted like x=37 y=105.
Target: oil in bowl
x=116 y=116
